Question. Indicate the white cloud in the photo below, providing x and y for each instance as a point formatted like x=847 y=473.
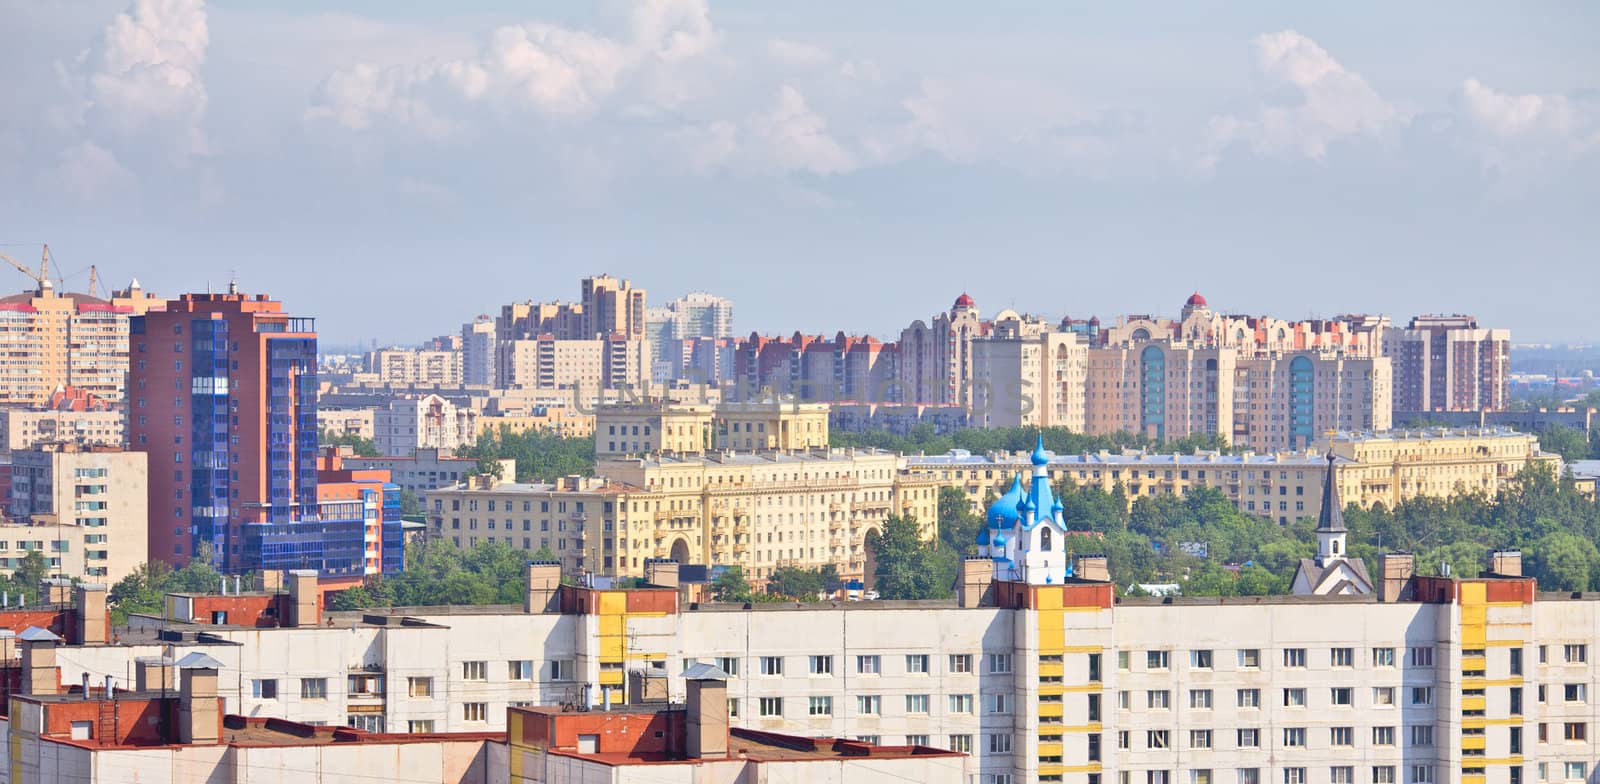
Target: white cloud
x=1506 y=116
x=788 y=136
x=143 y=74
x=89 y=172
x=794 y=54
x=1330 y=103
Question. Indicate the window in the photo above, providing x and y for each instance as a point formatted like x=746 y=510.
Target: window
x=1294 y=776
x=1158 y=739
x=1516 y=700
x=264 y=689
x=1122 y=740
x=561 y=669
x=1199 y=739
x=1249 y=738
x=313 y=688
x=1200 y=660
x=1294 y=698
x=1343 y=657
x=1340 y=696
x=1577 y=653
x=1123 y=700
x=1000 y=743
x=820 y=706
x=1294 y=657
x=1422 y=695
x=1422 y=656
x=916 y=703
x=1342 y=774
x=521 y=670
x=1156 y=660
x=1094 y=747
x=1422 y=734
x=1516 y=740
x=1383 y=657
x=997 y=702
x=1576 y=730
x=960 y=663
x=870 y=740
x=1200 y=699
x=1575 y=692
x=1000 y=663
x=1383 y=736
x=728 y=664
x=1516 y=661
x=475 y=711
x=1094 y=668
x=1122 y=661
x=916 y=740
x=1249 y=776
x=961 y=743
x=1577 y=771
x=869 y=704
x=733 y=708
x=772 y=665
x=916 y=664
x=1383 y=774
x=821 y=665
x=1294 y=737
x=1342 y=736
x=1200 y=776
x=1250 y=659
x=770 y=706
x=962 y=703
x=868 y=665
x=474 y=671
x=1382 y=696
x=419 y=687
x=1158 y=699
x=1094 y=707
x=1248 y=698
x=1421 y=774
x=367 y=722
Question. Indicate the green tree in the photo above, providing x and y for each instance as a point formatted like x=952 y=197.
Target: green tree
x=410 y=504
x=730 y=586
x=541 y=457
x=794 y=582
x=363 y=447
x=1568 y=442
x=142 y=591
x=491 y=467
x=907 y=567
x=958 y=524
x=1564 y=561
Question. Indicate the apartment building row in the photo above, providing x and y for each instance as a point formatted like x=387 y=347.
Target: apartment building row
x=1371 y=468
x=662 y=425
x=760 y=511
x=51 y=339
x=1429 y=679
x=83 y=508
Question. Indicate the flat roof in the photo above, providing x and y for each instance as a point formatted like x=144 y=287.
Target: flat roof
x=960 y=458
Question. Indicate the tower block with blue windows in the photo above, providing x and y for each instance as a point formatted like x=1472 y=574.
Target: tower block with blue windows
x=1024 y=533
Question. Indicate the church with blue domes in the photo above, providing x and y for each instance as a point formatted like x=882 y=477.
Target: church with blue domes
x=1024 y=533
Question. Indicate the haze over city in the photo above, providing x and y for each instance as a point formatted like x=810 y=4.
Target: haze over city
x=395 y=170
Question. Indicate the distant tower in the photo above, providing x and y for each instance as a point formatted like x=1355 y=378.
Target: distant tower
x=1332 y=571
x=1195 y=304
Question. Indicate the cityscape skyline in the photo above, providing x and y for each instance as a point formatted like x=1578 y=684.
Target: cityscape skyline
x=835 y=160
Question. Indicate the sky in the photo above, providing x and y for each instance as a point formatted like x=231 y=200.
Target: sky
x=394 y=169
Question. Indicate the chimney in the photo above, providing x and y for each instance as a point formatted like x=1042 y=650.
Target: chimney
x=304 y=598
x=199 y=711
x=40 y=675
x=152 y=673
x=1506 y=563
x=707 y=703
x=1093 y=568
x=1394 y=575
x=271 y=581
x=90 y=603
x=661 y=573
x=57 y=590
x=975 y=582
x=544 y=586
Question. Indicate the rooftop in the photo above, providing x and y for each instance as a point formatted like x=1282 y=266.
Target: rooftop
x=962 y=457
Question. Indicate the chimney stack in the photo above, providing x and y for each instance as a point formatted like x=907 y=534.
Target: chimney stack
x=707 y=702
x=544 y=586
x=199 y=711
x=1395 y=571
x=58 y=590
x=271 y=581
x=1092 y=567
x=93 y=624
x=1506 y=563
x=975 y=582
x=304 y=598
x=40 y=675
x=152 y=673
x=661 y=573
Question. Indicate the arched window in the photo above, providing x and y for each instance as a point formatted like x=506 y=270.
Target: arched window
x=1336 y=547
x=1044 y=539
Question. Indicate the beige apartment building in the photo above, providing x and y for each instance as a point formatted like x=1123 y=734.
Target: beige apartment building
x=588 y=366
x=50 y=340
x=759 y=511
x=404 y=366
x=1037 y=380
x=425 y=422
x=689 y=428
x=27 y=428
x=85 y=508
x=360 y=422
x=1285 y=486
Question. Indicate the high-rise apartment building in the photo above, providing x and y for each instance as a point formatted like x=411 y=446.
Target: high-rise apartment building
x=51 y=339
x=408 y=366
x=676 y=330
x=612 y=306
x=935 y=359
x=1448 y=363
x=1035 y=381
x=223 y=398
x=425 y=422
x=84 y=508
x=478 y=352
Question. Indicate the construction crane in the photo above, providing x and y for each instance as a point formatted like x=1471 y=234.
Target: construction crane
x=42 y=277
x=94 y=281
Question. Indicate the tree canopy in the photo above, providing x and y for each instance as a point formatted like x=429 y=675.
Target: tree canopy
x=541 y=457
x=363 y=447
x=924 y=439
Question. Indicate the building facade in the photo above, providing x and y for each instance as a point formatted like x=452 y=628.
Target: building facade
x=84 y=508
x=425 y=422
x=53 y=339
x=405 y=366
x=27 y=428
x=1448 y=363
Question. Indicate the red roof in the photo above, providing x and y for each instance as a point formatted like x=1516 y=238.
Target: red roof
x=1195 y=300
x=964 y=301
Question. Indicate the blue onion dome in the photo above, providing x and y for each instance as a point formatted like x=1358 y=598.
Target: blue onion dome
x=1024 y=506
x=1003 y=511
x=983 y=535
x=1056 y=508
x=999 y=546
x=1040 y=457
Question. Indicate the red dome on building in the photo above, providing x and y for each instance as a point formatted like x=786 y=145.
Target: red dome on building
x=1196 y=301
x=964 y=301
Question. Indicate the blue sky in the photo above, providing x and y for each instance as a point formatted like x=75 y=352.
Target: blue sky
x=394 y=169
